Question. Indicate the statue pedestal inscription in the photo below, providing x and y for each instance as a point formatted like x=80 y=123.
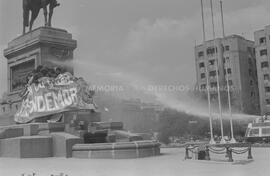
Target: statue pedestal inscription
x=43 y=46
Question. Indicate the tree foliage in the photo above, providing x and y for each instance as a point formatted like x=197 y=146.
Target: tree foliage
x=179 y=124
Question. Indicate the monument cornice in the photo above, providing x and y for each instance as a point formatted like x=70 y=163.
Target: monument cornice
x=38 y=37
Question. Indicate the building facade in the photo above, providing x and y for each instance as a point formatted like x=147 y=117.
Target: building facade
x=235 y=56
x=262 y=45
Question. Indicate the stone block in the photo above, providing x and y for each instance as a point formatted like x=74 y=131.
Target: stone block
x=11 y=133
x=30 y=129
x=10 y=148
x=63 y=143
x=96 y=137
x=26 y=147
x=46 y=128
x=108 y=125
x=111 y=138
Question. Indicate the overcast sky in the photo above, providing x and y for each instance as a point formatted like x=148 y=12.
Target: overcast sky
x=137 y=41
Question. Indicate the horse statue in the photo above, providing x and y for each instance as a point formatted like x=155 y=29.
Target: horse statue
x=34 y=6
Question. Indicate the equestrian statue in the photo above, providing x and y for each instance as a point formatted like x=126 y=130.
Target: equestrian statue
x=34 y=6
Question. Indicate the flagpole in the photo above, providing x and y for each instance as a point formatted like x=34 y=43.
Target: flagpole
x=212 y=141
x=229 y=102
x=203 y=26
x=222 y=18
x=227 y=79
x=216 y=63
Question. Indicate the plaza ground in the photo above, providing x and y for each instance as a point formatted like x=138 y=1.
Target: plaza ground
x=170 y=163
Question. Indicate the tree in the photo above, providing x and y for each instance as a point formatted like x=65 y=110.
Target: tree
x=177 y=124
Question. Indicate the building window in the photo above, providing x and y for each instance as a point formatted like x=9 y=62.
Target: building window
x=212 y=62
x=264 y=64
x=249 y=72
x=263 y=52
x=267 y=101
x=251 y=82
x=229 y=71
x=266 y=77
x=211 y=50
x=226 y=59
x=200 y=54
x=230 y=82
x=203 y=86
x=202 y=75
x=213 y=84
x=262 y=40
x=249 y=61
x=212 y=73
x=227 y=48
x=249 y=49
x=3 y=109
x=252 y=94
x=267 y=89
x=201 y=65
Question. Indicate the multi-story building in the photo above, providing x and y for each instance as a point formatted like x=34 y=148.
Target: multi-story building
x=235 y=56
x=262 y=45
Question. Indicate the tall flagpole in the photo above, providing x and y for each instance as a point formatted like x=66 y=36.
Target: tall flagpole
x=227 y=79
x=216 y=63
x=203 y=26
x=222 y=19
x=229 y=102
x=212 y=141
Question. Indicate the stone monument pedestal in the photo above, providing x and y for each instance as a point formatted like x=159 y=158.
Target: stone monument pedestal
x=43 y=46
